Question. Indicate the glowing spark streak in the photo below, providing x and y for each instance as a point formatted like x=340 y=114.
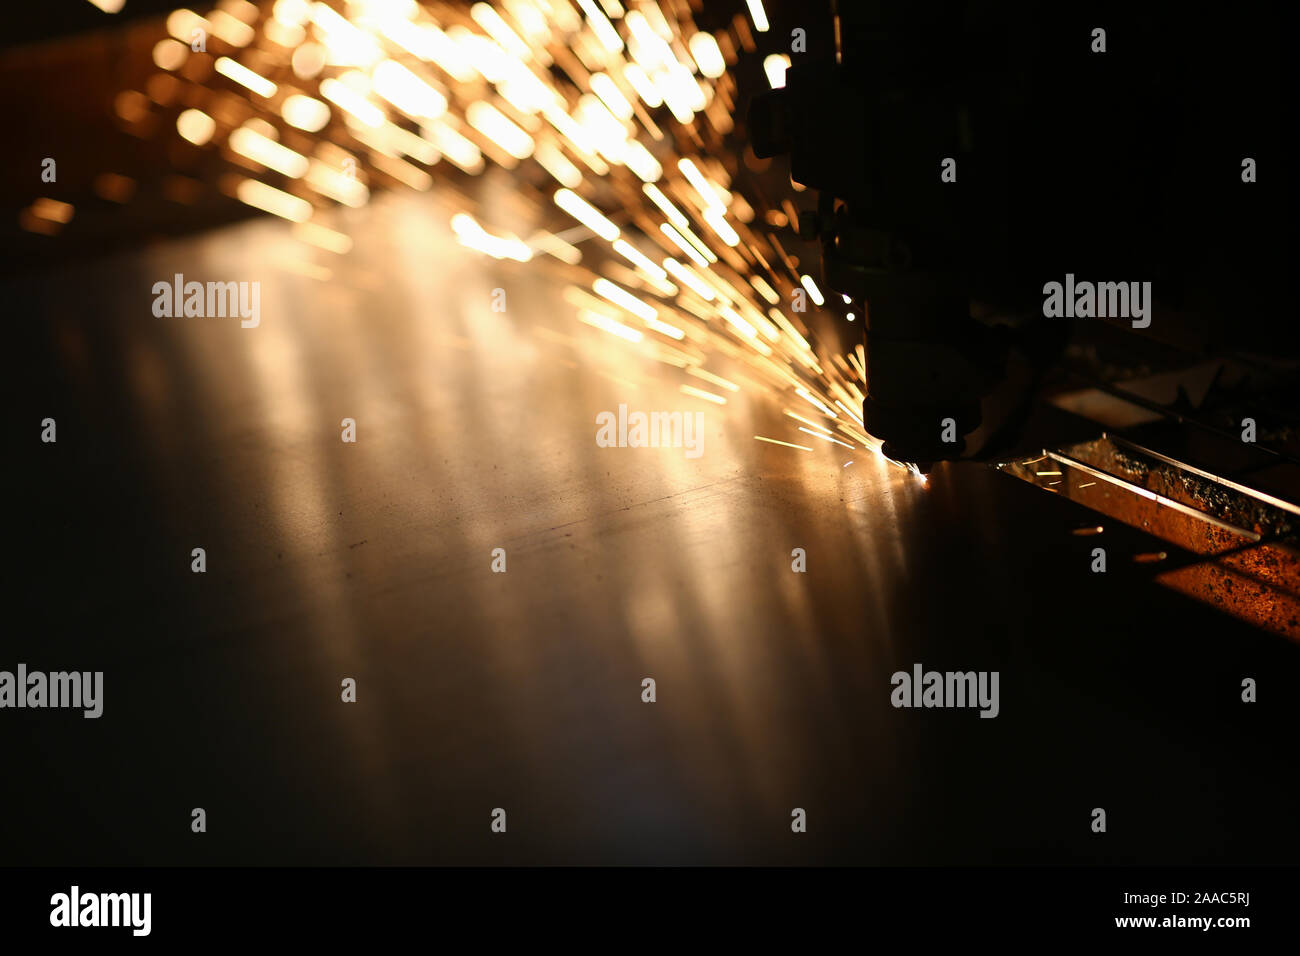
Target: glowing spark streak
x=764 y=289
x=700 y=393
x=390 y=139
x=848 y=411
x=825 y=437
x=689 y=279
x=459 y=150
x=555 y=246
x=586 y=213
x=322 y=237
x=700 y=247
x=292 y=13
x=640 y=160
x=648 y=49
x=52 y=210
x=806 y=421
x=558 y=165
x=494 y=124
x=336 y=185
x=346 y=43
x=621 y=297
x=611 y=96
x=244 y=77
x=530 y=18
x=571 y=130
x=268 y=198
x=665 y=204
x=814 y=293
x=637 y=79
x=305 y=113
x=182 y=23
x=638 y=258
x=429 y=43
x=351 y=102
x=471 y=234
x=759 y=15
x=268 y=152
x=605 y=323
x=408 y=92
x=663 y=328
x=601 y=26
x=857 y=436
x=707 y=55
x=813 y=400
x=196 y=126
x=715 y=379
x=789 y=329
x=499 y=30
x=721 y=227
x=785 y=443
x=683 y=245
x=700 y=184
x=738 y=322
x=231 y=29
x=775 y=66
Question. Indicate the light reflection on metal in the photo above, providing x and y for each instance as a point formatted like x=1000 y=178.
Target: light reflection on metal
x=1237 y=546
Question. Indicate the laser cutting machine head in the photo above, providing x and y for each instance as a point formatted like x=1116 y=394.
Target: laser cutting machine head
x=963 y=155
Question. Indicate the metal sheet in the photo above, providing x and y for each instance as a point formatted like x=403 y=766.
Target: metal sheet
x=522 y=690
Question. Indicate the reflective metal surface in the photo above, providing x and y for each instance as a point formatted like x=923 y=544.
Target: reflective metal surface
x=476 y=690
